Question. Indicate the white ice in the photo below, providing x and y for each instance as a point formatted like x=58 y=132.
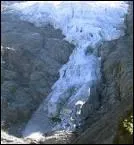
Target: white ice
x=84 y=24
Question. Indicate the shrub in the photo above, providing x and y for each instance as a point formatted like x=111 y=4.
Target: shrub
x=125 y=130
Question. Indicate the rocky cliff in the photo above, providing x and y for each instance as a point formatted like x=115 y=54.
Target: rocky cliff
x=30 y=60
x=104 y=125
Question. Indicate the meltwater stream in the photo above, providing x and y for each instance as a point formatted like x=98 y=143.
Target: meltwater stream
x=87 y=25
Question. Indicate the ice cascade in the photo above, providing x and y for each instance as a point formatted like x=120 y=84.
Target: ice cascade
x=87 y=25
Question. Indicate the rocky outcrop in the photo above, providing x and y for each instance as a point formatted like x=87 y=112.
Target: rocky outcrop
x=116 y=91
x=30 y=60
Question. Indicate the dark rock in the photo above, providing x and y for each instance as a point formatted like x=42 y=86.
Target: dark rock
x=93 y=102
x=31 y=58
x=102 y=126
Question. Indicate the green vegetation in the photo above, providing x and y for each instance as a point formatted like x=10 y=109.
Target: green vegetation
x=128 y=124
x=125 y=130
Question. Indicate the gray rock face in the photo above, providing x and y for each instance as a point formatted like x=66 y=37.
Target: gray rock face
x=31 y=58
x=93 y=102
x=102 y=125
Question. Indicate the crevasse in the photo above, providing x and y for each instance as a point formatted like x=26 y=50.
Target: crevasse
x=85 y=24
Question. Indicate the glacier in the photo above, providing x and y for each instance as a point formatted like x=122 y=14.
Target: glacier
x=86 y=25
